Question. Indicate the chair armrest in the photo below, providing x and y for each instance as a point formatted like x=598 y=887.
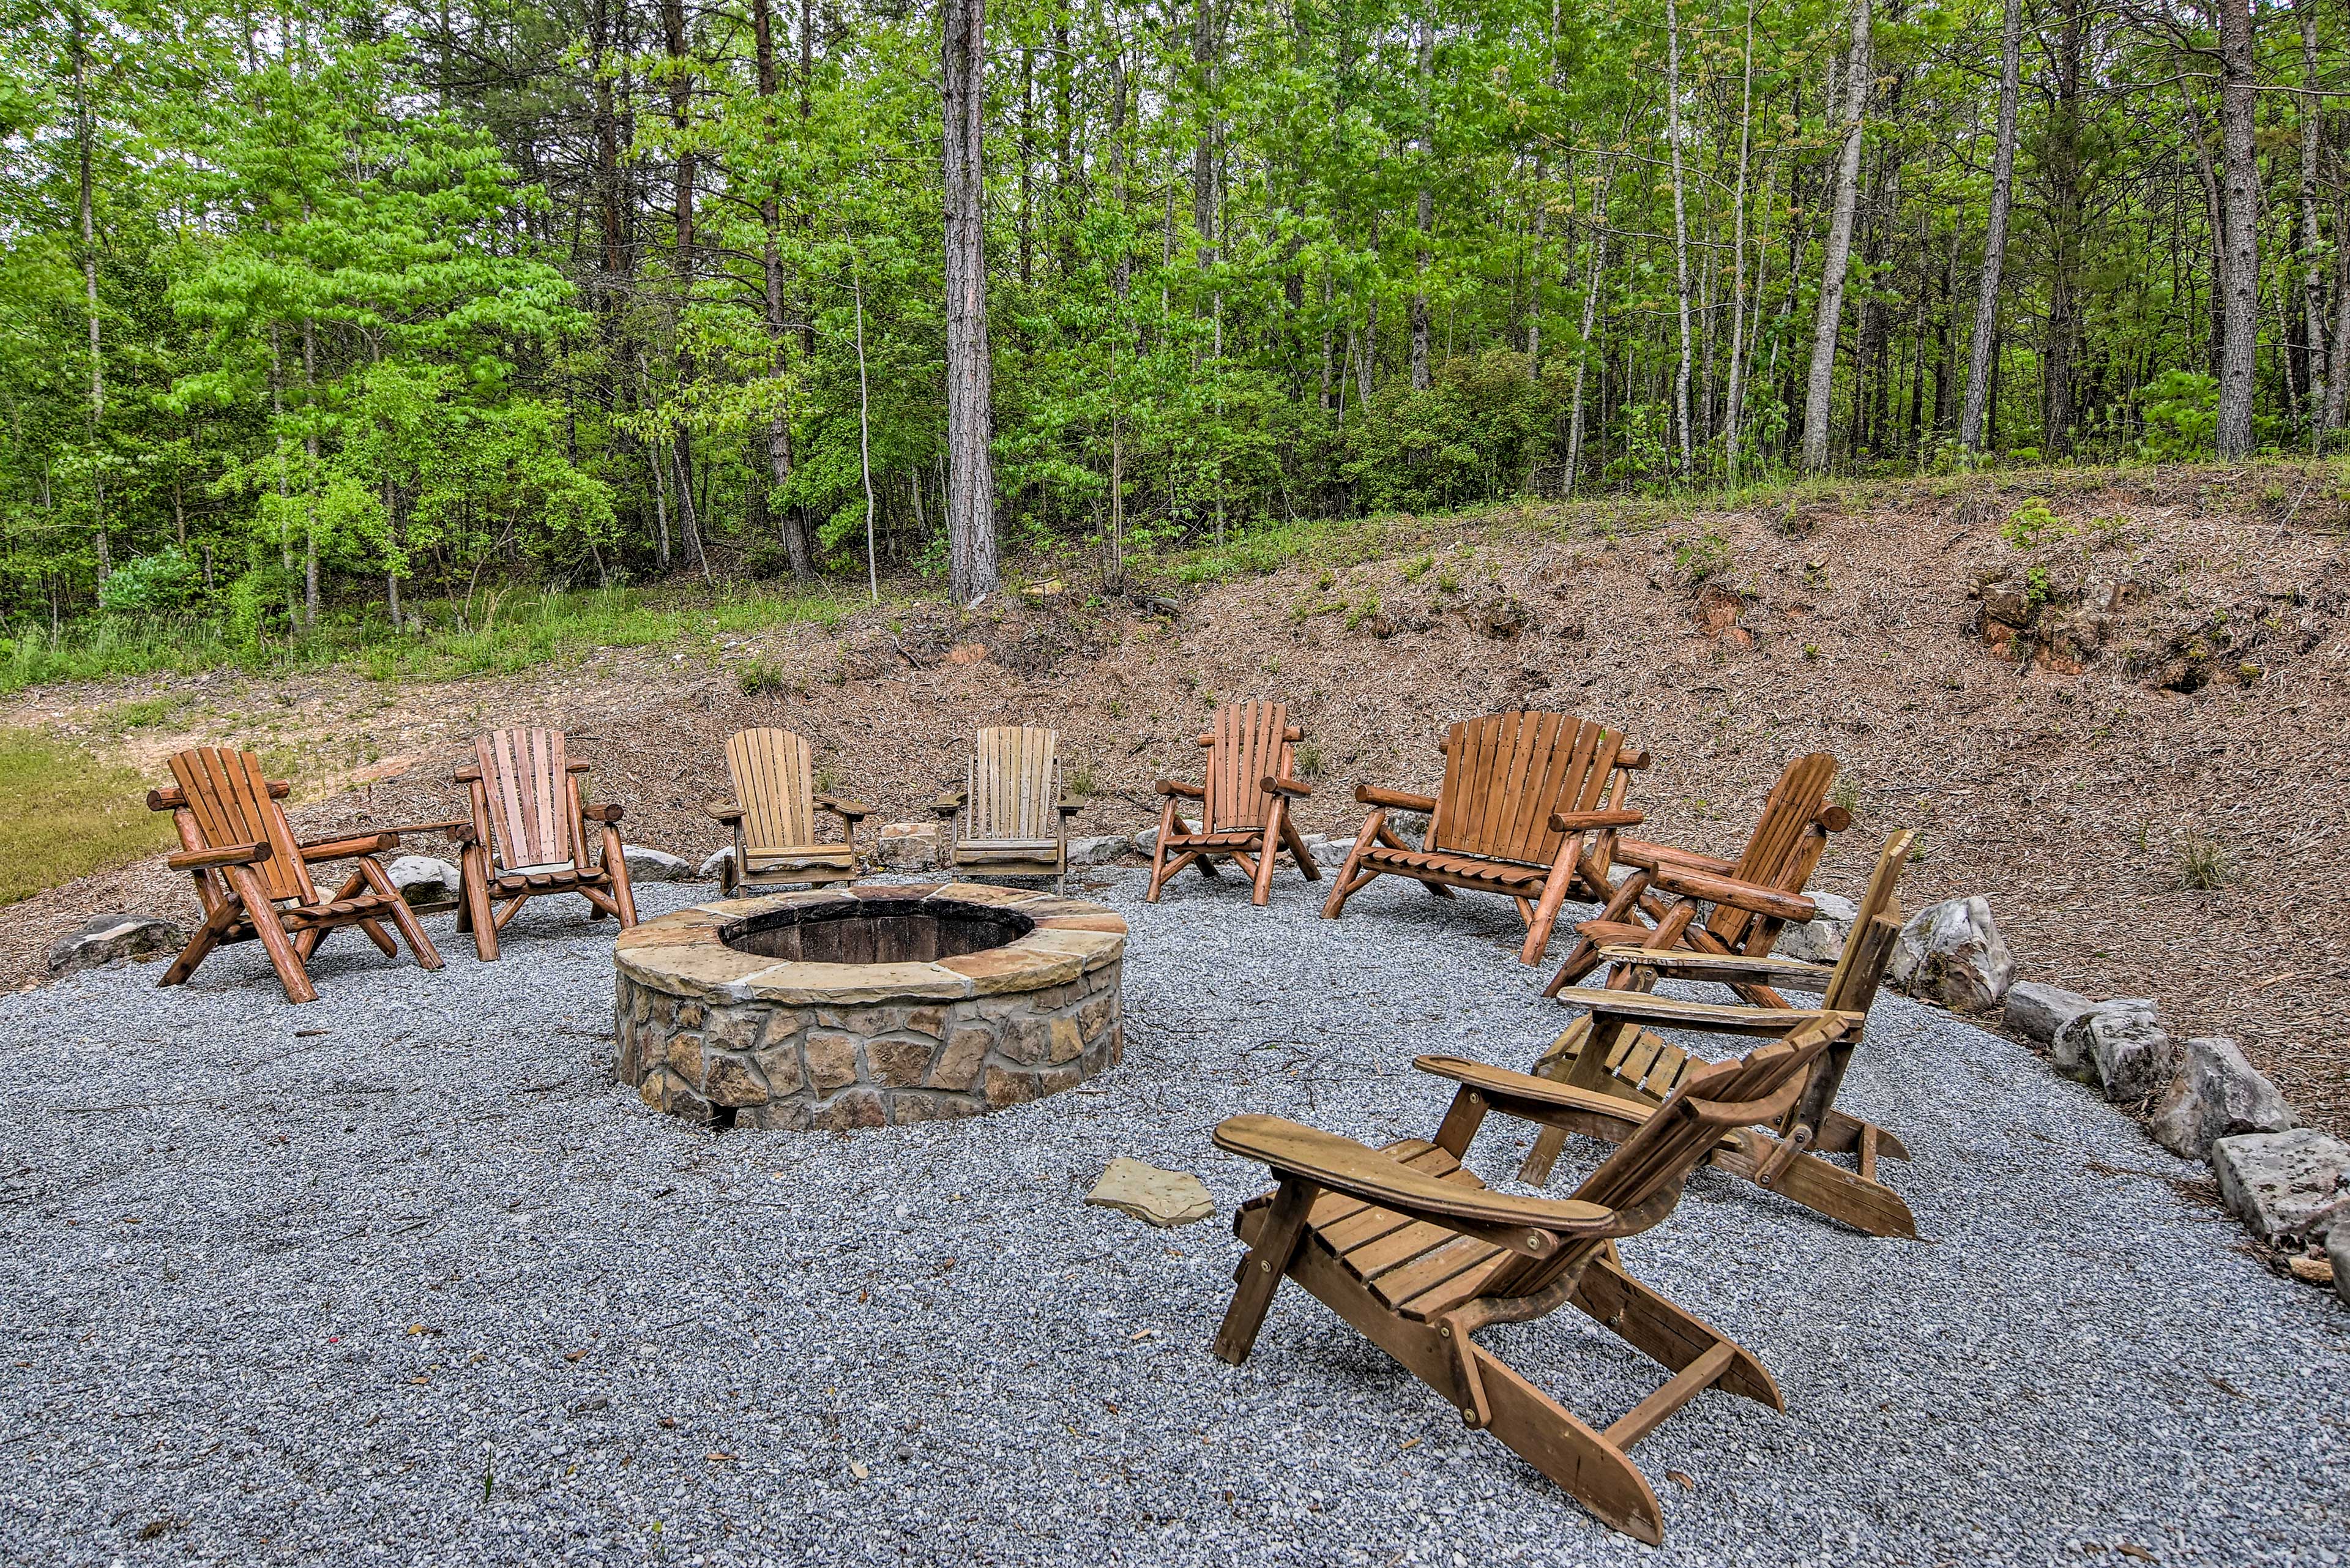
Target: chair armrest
x=576 y=767
x=1529 y=1225
x=948 y=805
x=470 y=774
x=1068 y=807
x=722 y=811
x=1188 y=791
x=609 y=811
x=346 y=848
x=1506 y=1090
x=1706 y=1017
x=1583 y=821
x=1394 y=799
x=1648 y=857
x=171 y=797
x=1747 y=895
x=1289 y=788
x=227 y=854
x=849 y=811
x=1724 y=969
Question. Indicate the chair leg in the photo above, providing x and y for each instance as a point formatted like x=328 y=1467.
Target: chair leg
x=1581 y=960
x=476 y=893
x=1262 y=894
x=200 y=946
x=615 y=864
x=427 y=956
x=1350 y=879
x=1307 y=867
x=1547 y=1435
x=265 y=925
x=1159 y=871
x=1658 y=1328
x=380 y=937
x=1260 y=1271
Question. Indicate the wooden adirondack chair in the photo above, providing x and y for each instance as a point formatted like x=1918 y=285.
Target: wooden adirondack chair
x=1245 y=804
x=1614 y=1058
x=1010 y=819
x=1529 y=808
x=774 y=817
x=253 y=876
x=1419 y=1254
x=528 y=836
x=1753 y=896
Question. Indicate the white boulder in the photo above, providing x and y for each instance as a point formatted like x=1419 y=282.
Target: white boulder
x=1952 y=953
x=2037 y=1011
x=2071 y=1051
x=1821 y=939
x=906 y=846
x=2337 y=1252
x=646 y=864
x=2216 y=1094
x=1099 y=849
x=713 y=868
x=2288 y=1186
x=103 y=938
x=426 y=882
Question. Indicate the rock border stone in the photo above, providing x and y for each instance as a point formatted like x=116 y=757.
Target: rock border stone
x=725 y=1038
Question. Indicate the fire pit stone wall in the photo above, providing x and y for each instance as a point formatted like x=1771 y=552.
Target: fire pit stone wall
x=720 y=1021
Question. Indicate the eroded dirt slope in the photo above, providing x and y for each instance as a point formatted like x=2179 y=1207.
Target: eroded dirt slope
x=2143 y=673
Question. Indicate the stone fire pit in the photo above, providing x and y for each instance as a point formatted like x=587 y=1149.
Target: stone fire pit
x=866 y=1006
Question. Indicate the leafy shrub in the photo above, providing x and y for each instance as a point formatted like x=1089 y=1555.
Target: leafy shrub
x=2032 y=522
x=1703 y=558
x=2181 y=413
x=164 y=583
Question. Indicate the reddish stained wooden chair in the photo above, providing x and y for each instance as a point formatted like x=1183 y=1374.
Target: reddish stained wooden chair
x=1245 y=804
x=253 y=876
x=1529 y=808
x=1754 y=896
x=1417 y=1254
x=528 y=836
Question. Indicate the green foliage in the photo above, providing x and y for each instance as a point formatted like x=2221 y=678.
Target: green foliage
x=2029 y=523
x=1704 y=559
x=164 y=583
x=2179 y=410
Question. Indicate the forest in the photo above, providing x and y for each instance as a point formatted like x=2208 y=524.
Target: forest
x=329 y=310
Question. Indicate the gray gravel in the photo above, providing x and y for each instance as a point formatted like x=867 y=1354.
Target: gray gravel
x=271 y=1296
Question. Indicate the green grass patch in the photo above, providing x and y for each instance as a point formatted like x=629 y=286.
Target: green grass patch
x=70 y=814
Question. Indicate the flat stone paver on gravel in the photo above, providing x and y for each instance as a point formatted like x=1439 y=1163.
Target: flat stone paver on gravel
x=426 y=1288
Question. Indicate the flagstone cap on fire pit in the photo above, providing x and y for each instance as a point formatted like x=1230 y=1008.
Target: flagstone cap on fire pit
x=867 y=1005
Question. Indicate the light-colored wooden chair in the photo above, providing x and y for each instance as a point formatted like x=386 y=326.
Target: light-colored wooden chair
x=1418 y=1255
x=1243 y=803
x=772 y=815
x=1753 y=897
x=529 y=837
x=1530 y=806
x=1613 y=1058
x=1010 y=819
x=253 y=876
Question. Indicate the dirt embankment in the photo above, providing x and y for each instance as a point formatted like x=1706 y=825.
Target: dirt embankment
x=2088 y=707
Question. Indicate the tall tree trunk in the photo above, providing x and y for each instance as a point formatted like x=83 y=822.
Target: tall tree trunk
x=1425 y=45
x=84 y=132
x=2322 y=369
x=680 y=110
x=1734 y=400
x=1680 y=226
x=1583 y=347
x=2238 y=157
x=793 y=520
x=2002 y=186
x=971 y=481
x=1838 y=251
x=1121 y=276
x=2337 y=389
x=2061 y=168
x=310 y=479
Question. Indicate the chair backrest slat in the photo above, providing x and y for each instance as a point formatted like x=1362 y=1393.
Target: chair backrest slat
x=1787 y=842
x=774 y=783
x=525 y=779
x=1251 y=740
x=1506 y=774
x=1013 y=781
x=228 y=795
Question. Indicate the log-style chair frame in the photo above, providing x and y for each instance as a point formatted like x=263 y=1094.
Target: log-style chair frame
x=1530 y=808
x=1622 y=1068
x=1753 y=897
x=772 y=815
x=1011 y=817
x=528 y=836
x=1418 y=1255
x=1245 y=804
x=253 y=875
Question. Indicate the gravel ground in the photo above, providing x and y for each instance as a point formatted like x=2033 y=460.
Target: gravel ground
x=426 y=1287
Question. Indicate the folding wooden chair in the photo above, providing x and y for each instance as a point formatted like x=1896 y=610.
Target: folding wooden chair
x=253 y=876
x=1613 y=1055
x=1529 y=808
x=528 y=836
x=1418 y=1255
x=1245 y=804
x=1753 y=896
x=772 y=815
x=1010 y=819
